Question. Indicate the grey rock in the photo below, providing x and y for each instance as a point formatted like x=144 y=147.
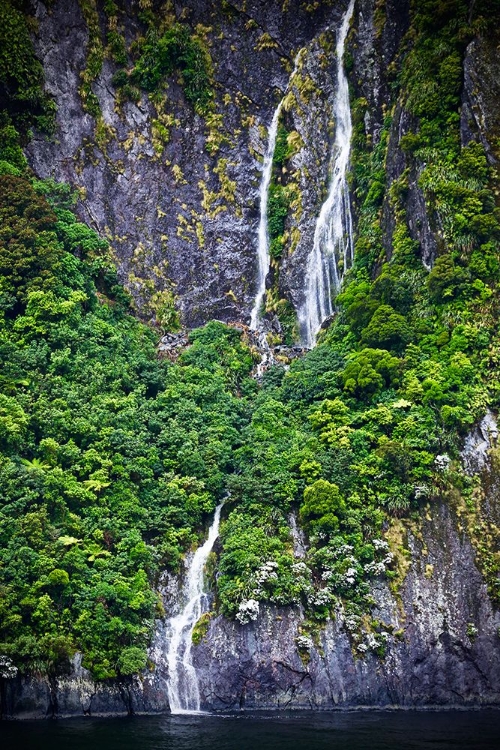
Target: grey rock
x=478 y=443
x=480 y=116
x=181 y=214
x=442 y=649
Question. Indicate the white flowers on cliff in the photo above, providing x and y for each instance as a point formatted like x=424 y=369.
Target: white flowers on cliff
x=300 y=568
x=375 y=568
x=442 y=462
x=7 y=668
x=248 y=611
x=350 y=577
x=266 y=571
x=303 y=643
x=340 y=572
x=380 y=544
x=319 y=598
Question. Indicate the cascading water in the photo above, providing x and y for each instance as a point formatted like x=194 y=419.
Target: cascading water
x=333 y=246
x=183 y=689
x=263 y=234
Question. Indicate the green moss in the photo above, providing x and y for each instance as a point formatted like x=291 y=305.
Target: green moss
x=94 y=57
x=176 y=50
x=201 y=628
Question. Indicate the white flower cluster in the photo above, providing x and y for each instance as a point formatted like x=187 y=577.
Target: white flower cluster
x=442 y=462
x=375 y=568
x=372 y=642
x=343 y=551
x=349 y=577
x=248 y=611
x=303 y=643
x=378 y=567
x=352 y=622
x=422 y=491
x=266 y=571
x=319 y=598
x=300 y=568
x=7 y=668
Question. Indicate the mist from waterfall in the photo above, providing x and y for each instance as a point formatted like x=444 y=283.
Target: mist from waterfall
x=183 y=689
x=332 y=250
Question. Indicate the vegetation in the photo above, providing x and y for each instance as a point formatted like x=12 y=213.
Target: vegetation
x=278 y=207
x=112 y=461
x=175 y=50
x=278 y=202
x=21 y=74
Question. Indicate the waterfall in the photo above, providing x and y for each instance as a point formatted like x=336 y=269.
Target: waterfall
x=263 y=235
x=183 y=690
x=332 y=246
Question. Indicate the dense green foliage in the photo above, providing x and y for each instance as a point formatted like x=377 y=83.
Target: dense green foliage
x=177 y=49
x=112 y=461
x=278 y=202
x=21 y=74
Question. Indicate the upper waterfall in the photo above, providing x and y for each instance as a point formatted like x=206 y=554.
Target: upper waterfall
x=332 y=248
x=183 y=690
x=263 y=234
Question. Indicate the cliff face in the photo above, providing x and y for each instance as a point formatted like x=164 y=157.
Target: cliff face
x=176 y=193
x=438 y=628
x=181 y=213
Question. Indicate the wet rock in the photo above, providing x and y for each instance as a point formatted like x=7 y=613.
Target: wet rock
x=480 y=117
x=478 y=443
x=172 y=344
x=180 y=211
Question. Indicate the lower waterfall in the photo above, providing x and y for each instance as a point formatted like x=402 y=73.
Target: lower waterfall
x=183 y=690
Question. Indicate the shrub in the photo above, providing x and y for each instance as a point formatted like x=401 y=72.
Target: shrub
x=387 y=329
x=132 y=660
x=323 y=507
x=178 y=50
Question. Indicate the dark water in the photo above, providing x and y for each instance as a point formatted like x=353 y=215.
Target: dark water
x=473 y=730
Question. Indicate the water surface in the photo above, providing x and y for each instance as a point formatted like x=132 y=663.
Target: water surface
x=373 y=730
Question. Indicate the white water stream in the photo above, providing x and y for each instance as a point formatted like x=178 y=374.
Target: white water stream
x=183 y=690
x=332 y=251
x=263 y=234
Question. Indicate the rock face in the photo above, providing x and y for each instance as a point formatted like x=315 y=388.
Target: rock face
x=447 y=651
x=442 y=649
x=181 y=214
x=439 y=632
x=175 y=193
x=480 y=101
